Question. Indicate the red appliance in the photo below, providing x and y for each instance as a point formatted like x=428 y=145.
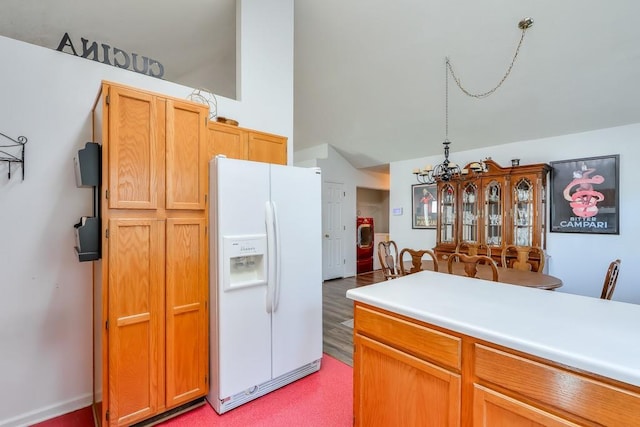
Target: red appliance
x=364 y=249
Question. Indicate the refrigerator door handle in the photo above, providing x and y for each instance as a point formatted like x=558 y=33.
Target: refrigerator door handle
x=271 y=259
x=278 y=258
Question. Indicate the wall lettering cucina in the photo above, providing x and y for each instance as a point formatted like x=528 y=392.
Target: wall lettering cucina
x=112 y=56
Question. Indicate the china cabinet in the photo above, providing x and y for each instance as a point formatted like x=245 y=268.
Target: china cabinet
x=504 y=206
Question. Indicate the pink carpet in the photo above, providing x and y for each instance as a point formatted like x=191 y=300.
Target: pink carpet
x=322 y=399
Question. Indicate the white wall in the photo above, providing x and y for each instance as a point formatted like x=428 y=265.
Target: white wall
x=336 y=169
x=374 y=204
x=580 y=260
x=47 y=96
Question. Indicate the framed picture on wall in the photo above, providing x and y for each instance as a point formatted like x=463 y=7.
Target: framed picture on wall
x=424 y=213
x=585 y=196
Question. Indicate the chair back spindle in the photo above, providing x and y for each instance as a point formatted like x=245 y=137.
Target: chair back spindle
x=610 y=280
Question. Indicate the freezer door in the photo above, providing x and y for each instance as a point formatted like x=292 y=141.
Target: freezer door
x=240 y=325
x=297 y=317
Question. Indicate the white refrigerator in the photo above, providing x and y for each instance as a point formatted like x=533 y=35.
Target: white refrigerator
x=265 y=278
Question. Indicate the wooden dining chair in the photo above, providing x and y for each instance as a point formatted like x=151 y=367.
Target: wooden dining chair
x=610 y=280
x=528 y=258
x=482 y=249
x=466 y=248
x=473 y=249
x=471 y=264
x=416 y=260
x=388 y=256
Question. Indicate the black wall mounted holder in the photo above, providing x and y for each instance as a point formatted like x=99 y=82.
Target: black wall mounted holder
x=88 y=171
x=12 y=151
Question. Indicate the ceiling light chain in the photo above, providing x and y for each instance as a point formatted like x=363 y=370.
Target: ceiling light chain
x=447 y=170
x=524 y=25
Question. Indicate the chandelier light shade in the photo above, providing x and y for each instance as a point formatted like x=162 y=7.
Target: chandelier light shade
x=447 y=170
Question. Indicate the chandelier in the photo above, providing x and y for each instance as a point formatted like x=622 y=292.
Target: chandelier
x=447 y=170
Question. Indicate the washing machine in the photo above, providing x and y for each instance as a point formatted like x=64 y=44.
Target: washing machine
x=365 y=244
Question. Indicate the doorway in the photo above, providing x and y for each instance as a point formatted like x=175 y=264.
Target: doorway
x=374 y=203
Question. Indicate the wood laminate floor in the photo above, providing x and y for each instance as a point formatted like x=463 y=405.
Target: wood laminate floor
x=337 y=338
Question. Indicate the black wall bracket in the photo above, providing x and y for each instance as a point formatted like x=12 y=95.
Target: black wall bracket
x=12 y=151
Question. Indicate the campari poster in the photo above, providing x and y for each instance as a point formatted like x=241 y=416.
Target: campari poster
x=584 y=195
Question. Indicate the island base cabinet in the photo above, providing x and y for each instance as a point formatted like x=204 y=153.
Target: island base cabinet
x=404 y=390
x=408 y=372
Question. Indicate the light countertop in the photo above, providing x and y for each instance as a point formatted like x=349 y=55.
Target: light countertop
x=598 y=336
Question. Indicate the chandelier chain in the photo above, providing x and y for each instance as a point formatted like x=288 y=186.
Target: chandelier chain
x=446 y=170
x=446 y=102
x=449 y=67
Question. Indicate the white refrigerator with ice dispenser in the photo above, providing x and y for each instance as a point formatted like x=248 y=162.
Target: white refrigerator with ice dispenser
x=265 y=278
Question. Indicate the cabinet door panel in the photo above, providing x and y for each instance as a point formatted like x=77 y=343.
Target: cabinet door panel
x=228 y=140
x=492 y=409
x=132 y=149
x=392 y=388
x=186 y=170
x=135 y=298
x=186 y=315
x=267 y=148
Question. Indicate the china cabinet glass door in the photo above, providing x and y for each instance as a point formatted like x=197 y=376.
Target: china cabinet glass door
x=493 y=213
x=470 y=213
x=447 y=214
x=523 y=212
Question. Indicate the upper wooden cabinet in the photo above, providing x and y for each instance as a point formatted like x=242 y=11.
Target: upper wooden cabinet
x=504 y=206
x=186 y=155
x=157 y=150
x=263 y=147
x=240 y=143
x=133 y=131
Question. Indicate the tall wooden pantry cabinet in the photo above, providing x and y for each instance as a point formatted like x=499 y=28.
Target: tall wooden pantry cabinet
x=151 y=285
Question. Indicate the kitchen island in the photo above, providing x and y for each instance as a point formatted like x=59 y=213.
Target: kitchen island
x=444 y=350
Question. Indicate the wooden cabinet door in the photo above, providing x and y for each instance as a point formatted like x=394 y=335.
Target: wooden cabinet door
x=528 y=211
x=133 y=149
x=493 y=409
x=447 y=212
x=392 y=388
x=267 y=148
x=136 y=265
x=186 y=313
x=495 y=219
x=228 y=140
x=186 y=151
x=470 y=212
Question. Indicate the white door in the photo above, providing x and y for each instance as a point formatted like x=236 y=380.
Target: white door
x=333 y=231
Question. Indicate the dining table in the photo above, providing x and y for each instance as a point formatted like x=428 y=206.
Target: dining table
x=513 y=276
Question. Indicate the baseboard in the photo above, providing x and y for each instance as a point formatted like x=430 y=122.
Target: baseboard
x=48 y=412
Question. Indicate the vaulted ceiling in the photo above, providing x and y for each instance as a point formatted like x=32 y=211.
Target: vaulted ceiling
x=370 y=74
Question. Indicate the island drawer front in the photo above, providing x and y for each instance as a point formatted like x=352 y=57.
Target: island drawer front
x=576 y=394
x=421 y=341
